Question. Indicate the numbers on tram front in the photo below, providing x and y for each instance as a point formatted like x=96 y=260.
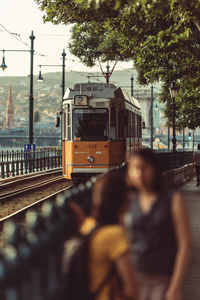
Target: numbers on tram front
x=92 y=146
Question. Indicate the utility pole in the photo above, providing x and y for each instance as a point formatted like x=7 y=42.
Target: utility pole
x=174 y=124
x=173 y=92
x=193 y=140
x=32 y=37
x=3 y=66
x=132 y=85
x=151 y=111
x=108 y=72
x=168 y=135
x=63 y=73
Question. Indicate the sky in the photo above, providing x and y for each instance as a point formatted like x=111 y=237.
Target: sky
x=17 y=19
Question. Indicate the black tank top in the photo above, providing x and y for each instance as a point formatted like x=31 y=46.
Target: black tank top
x=152 y=236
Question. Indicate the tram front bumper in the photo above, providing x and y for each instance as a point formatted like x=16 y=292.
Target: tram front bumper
x=90 y=170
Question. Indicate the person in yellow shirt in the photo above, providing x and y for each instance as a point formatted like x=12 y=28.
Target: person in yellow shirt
x=109 y=246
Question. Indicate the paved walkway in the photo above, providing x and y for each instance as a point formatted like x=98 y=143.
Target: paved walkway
x=192 y=282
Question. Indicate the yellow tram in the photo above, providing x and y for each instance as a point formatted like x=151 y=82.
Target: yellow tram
x=100 y=125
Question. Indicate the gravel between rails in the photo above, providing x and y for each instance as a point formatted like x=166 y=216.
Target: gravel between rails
x=12 y=206
x=19 y=203
x=25 y=181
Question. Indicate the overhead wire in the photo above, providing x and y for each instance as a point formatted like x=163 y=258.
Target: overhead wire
x=16 y=36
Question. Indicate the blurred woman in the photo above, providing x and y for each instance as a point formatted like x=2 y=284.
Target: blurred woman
x=159 y=230
x=110 y=268
x=110 y=246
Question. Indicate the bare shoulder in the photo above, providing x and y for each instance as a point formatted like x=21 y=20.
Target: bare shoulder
x=178 y=198
x=178 y=204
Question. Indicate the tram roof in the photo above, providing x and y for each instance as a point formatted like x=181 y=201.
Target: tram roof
x=94 y=89
x=123 y=94
x=100 y=90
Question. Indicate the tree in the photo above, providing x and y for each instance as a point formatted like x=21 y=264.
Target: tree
x=160 y=37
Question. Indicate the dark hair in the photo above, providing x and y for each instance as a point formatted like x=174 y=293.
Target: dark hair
x=198 y=146
x=151 y=157
x=112 y=190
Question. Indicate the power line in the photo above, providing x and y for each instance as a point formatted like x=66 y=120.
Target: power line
x=16 y=36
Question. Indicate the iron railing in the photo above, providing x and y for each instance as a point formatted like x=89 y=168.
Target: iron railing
x=170 y=160
x=13 y=163
x=30 y=266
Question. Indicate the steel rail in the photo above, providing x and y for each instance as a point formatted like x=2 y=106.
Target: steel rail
x=28 y=177
x=23 y=210
x=29 y=189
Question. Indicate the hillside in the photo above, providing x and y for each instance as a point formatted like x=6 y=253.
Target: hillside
x=47 y=95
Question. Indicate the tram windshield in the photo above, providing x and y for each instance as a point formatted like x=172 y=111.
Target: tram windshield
x=90 y=124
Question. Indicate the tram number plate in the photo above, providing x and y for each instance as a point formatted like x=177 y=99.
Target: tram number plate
x=91 y=146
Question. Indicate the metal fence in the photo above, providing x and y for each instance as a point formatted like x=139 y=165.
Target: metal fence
x=170 y=160
x=14 y=163
x=30 y=266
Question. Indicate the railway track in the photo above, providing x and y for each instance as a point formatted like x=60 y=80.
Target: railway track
x=17 y=215
x=25 y=190
x=7 y=183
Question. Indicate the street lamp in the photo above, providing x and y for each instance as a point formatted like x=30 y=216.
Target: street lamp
x=40 y=78
x=173 y=93
x=3 y=66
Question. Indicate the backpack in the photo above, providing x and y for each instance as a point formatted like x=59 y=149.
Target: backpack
x=76 y=281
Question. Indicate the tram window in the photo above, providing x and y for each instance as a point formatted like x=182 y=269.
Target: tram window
x=69 y=133
x=136 y=126
x=120 y=124
x=68 y=118
x=133 y=125
x=113 y=117
x=126 y=123
x=112 y=123
x=139 y=127
x=126 y=126
x=129 y=124
x=64 y=125
x=68 y=127
x=90 y=124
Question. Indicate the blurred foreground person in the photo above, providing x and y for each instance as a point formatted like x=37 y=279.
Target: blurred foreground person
x=196 y=163
x=109 y=263
x=158 y=225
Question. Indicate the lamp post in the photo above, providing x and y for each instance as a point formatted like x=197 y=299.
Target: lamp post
x=132 y=79
x=108 y=72
x=151 y=111
x=168 y=137
x=32 y=37
x=3 y=66
x=129 y=86
x=183 y=139
x=173 y=92
x=40 y=78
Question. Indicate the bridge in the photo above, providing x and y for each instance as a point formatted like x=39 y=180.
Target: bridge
x=30 y=268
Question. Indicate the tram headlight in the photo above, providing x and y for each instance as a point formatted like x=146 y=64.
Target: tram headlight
x=90 y=159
